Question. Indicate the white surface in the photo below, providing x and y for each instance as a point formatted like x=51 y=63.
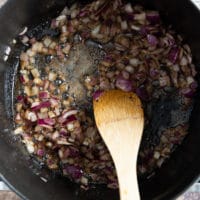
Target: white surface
x=197 y=3
x=193 y=193
x=3 y=186
x=194 y=189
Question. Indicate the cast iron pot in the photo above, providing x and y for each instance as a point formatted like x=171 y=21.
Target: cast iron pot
x=22 y=174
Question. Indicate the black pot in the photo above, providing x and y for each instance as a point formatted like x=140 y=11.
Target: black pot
x=22 y=174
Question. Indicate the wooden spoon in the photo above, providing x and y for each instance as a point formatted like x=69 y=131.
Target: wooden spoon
x=120 y=120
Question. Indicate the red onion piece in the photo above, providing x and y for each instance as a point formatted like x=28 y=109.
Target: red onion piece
x=170 y=41
x=153 y=17
x=108 y=58
x=53 y=24
x=63 y=132
x=68 y=116
x=44 y=95
x=69 y=119
x=97 y=94
x=74 y=171
x=167 y=41
x=22 y=79
x=153 y=72
x=173 y=54
x=140 y=76
x=45 y=104
x=187 y=92
x=144 y=31
x=20 y=98
x=40 y=152
x=123 y=84
x=83 y=13
x=69 y=113
x=152 y=40
x=47 y=121
x=46 y=126
x=194 y=85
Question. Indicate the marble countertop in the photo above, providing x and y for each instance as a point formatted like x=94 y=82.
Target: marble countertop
x=193 y=193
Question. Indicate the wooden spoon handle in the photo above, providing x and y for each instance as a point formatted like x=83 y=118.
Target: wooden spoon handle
x=125 y=156
x=125 y=163
x=128 y=184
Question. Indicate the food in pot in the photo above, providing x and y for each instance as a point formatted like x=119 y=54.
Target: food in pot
x=101 y=46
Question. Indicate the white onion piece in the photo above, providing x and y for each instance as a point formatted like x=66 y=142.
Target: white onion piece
x=18 y=130
x=134 y=27
x=190 y=80
x=140 y=17
x=134 y=62
x=47 y=41
x=30 y=147
x=24 y=31
x=61 y=18
x=35 y=73
x=128 y=8
x=124 y=25
x=31 y=116
x=96 y=30
x=52 y=76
